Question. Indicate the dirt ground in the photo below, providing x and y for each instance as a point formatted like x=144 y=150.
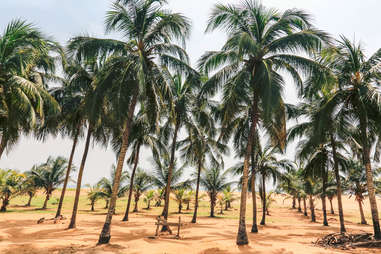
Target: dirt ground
x=286 y=232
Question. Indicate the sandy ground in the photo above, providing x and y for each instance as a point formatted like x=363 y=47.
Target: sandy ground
x=286 y=232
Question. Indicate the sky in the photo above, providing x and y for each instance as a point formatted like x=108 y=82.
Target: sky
x=65 y=19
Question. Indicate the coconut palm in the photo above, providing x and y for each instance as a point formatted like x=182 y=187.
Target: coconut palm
x=148 y=197
x=142 y=183
x=71 y=97
x=198 y=147
x=149 y=32
x=141 y=136
x=26 y=66
x=356 y=97
x=106 y=185
x=214 y=180
x=50 y=175
x=179 y=197
x=10 y=186
x=29 y=187
x=94 y=194
x=261 y=41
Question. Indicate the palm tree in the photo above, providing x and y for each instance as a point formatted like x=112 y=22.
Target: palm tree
x=141 y=136
x=148 y=197
x=149 y=33
x=356 y=96
x=179 y=197
x=10 y=186
x=26 y=65
x=94 y=194
x=199 y=146
x=82 y=74
x=142 y=183
x=261 y=41
x=71 y=98
x=29 y=187
x=214 y=180
x=355 y=184
x=50 y=175
x=161 y=171
x=106 y=185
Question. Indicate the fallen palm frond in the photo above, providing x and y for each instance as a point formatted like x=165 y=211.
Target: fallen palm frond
x=347 y=241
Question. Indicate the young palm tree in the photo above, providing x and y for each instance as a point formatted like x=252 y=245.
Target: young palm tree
x=50 y=175
x=94 y=194
x=179 y=197
x=10 y=186
x=142 y=183
x=106 y=185
x=148 y=197
x=261 y=41
x=214 y=180
x=26 y=65
x=29 y=187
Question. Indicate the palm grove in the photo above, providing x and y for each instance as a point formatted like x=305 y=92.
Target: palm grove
x=141 y=92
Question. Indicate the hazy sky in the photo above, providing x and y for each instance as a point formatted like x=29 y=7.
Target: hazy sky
x=63 y=19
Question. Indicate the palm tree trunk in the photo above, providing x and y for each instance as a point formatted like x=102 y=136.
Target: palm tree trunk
x=242 y=235
x=363 y=220
x=305 y=207
x=3 y=144
x=79 y=179
x=105 y=234
x=212 y=204
x=254 y=227
x=323 y=199
x=169 y=179
x=136 y=160
x=293 y=202
x=330 y=203
x=188 y=205
x=137 y=196
x=58 y=213
x=4 y=204
x=29 y=200
x=263 y=221
x=299 y=205
x=107 y=201
x=196 y=195
x=180 y=206
x=46 y=201
x=369 y=177
x=92 y=206
x=312 y=208
x=338 y=185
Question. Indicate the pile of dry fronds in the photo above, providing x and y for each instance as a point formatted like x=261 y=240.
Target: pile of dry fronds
x=347 y=241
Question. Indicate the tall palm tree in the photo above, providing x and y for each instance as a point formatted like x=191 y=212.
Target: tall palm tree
x=199 y=146
x=82 y=74
x=71 y=98
x=214 y=180
x=50 y=175
x=10 y=186
x=261 y=41
x=357 y=98
x=26 y=65
x=149 y=32
x=182 y=97
x=141 y=136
